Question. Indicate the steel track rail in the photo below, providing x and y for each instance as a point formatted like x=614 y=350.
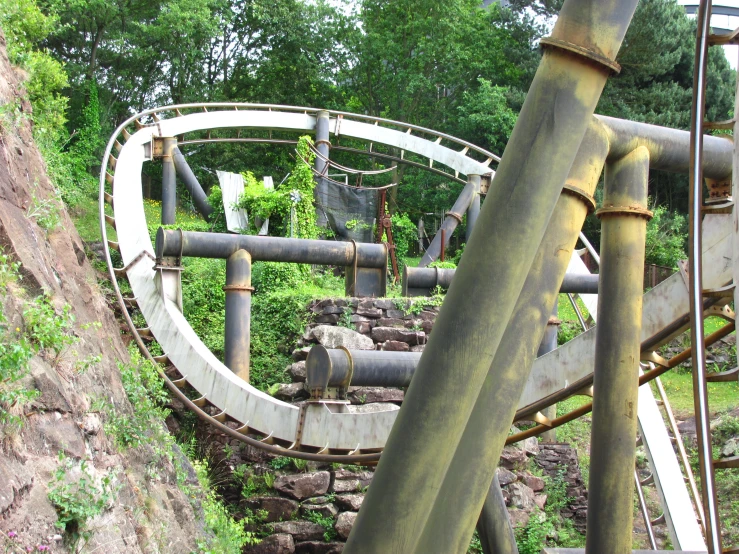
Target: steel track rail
x=270 y=442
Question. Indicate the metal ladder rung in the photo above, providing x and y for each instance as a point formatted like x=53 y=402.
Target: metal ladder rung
x=163 y=359
x=180 y=383
x=114 y=246
x=658 y=521
x=726 y=463
x=648 y=480
x=145 y=332
x=110 y=221
x=108 y=198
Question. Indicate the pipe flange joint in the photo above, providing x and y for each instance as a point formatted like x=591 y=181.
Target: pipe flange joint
x=600 y=59
x=554 y=321
x=323 y=141
x=240 y=288
x=638 y=211
x=349 y=374
x=581 y=195
x=455 y=215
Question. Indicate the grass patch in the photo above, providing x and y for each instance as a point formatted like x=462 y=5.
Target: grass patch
x=679 y=389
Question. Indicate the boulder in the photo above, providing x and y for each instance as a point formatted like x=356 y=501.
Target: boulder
x=300 y=530
x=350 y=502
x=303 y=485
x=731 y=447
x=530 y=446
x=291 y=392
x=326 y=510
x=319 y=547
x=372 y=313
x=536 y=484
x=540 y=500
x=390 y=322
x=301 y=354
x=368 y=395
x=396 y=314
x=327 y=318
x=363 y=327
x=277 y=508
x=332 y=310
x=382 y=334
x=351 y=481
x=335 y=337
x=395 y=346
x=344 y=524
x=513 y=457
x=505 y=477
x=418 y=348
x=281 y=543
x=384 y=304
x=522 y=497
x=297 y=372
x=372 y=408
x=519 y=518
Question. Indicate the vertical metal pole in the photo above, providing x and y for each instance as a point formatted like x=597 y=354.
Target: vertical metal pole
x=617 y=350
x=697 y=338
x=169 y=182
x=494 y=525
x=549 y=343
x=321 y=165
x=238 y=313
x=474 y=210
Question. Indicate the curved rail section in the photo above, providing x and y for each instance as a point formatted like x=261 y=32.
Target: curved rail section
x=321 y=430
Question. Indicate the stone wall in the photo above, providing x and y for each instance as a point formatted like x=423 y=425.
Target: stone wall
x=310 y=508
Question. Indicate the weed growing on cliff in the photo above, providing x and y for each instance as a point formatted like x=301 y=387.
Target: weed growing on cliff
x=79 y=496
x=227 y=536
x=48 y=330
x=45 y=211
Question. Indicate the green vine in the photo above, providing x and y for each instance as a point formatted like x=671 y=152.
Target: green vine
x=296 y=191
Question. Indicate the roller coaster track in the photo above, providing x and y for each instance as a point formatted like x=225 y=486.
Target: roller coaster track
x=322 y=430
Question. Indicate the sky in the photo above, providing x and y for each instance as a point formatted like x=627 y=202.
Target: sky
x=725 y=22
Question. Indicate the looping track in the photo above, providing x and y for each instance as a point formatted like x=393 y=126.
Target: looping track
x=318 y=431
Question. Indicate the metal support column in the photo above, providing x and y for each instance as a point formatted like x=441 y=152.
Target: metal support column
x=238 y=313
x=199 y=198
x=474 y=209
x=424 y=467
x=320 y=193
x=617 y=352
x=452 y=218
x=470 y=472
x=494 y=525
x=549 y=343
x=169 y=182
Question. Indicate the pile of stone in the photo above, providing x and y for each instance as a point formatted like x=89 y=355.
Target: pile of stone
x=337 y=494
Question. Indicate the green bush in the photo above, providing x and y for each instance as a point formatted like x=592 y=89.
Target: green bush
x=666 y=238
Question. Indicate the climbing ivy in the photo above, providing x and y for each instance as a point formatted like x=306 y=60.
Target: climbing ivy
x=296 y=191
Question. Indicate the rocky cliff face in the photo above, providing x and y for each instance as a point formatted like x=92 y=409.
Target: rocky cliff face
x=141 y=509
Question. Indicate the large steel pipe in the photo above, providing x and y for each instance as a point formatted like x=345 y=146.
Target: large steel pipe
x=340 y=368
x=238 y=313
x=170 y=242
x=494 y=526
x=616 y=377
x=169 y=182
x=199 y=198
x=320 y=193
x=473 y=211
x=427 y=498
x=420 y=281
x=470 y=471
x=452 y=219
x=549 y=343
x=669 y=149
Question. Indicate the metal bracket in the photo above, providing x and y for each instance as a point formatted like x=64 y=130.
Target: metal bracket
x=599 y=59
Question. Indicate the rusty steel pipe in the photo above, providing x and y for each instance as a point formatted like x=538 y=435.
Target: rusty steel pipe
x=169 y=182
x=199 y=198
x=171 y=242
x=451 y=220
x=669 y=149
x=420 y=281
x=238 y=313
x=549 y=343
x=624 y=218
x=320 y=192
x=416 y=502
x=470 y=470
x=473 y=211
x=339 y=367
x=494 y=526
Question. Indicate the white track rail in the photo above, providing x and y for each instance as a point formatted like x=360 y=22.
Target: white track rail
x=319 y=428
